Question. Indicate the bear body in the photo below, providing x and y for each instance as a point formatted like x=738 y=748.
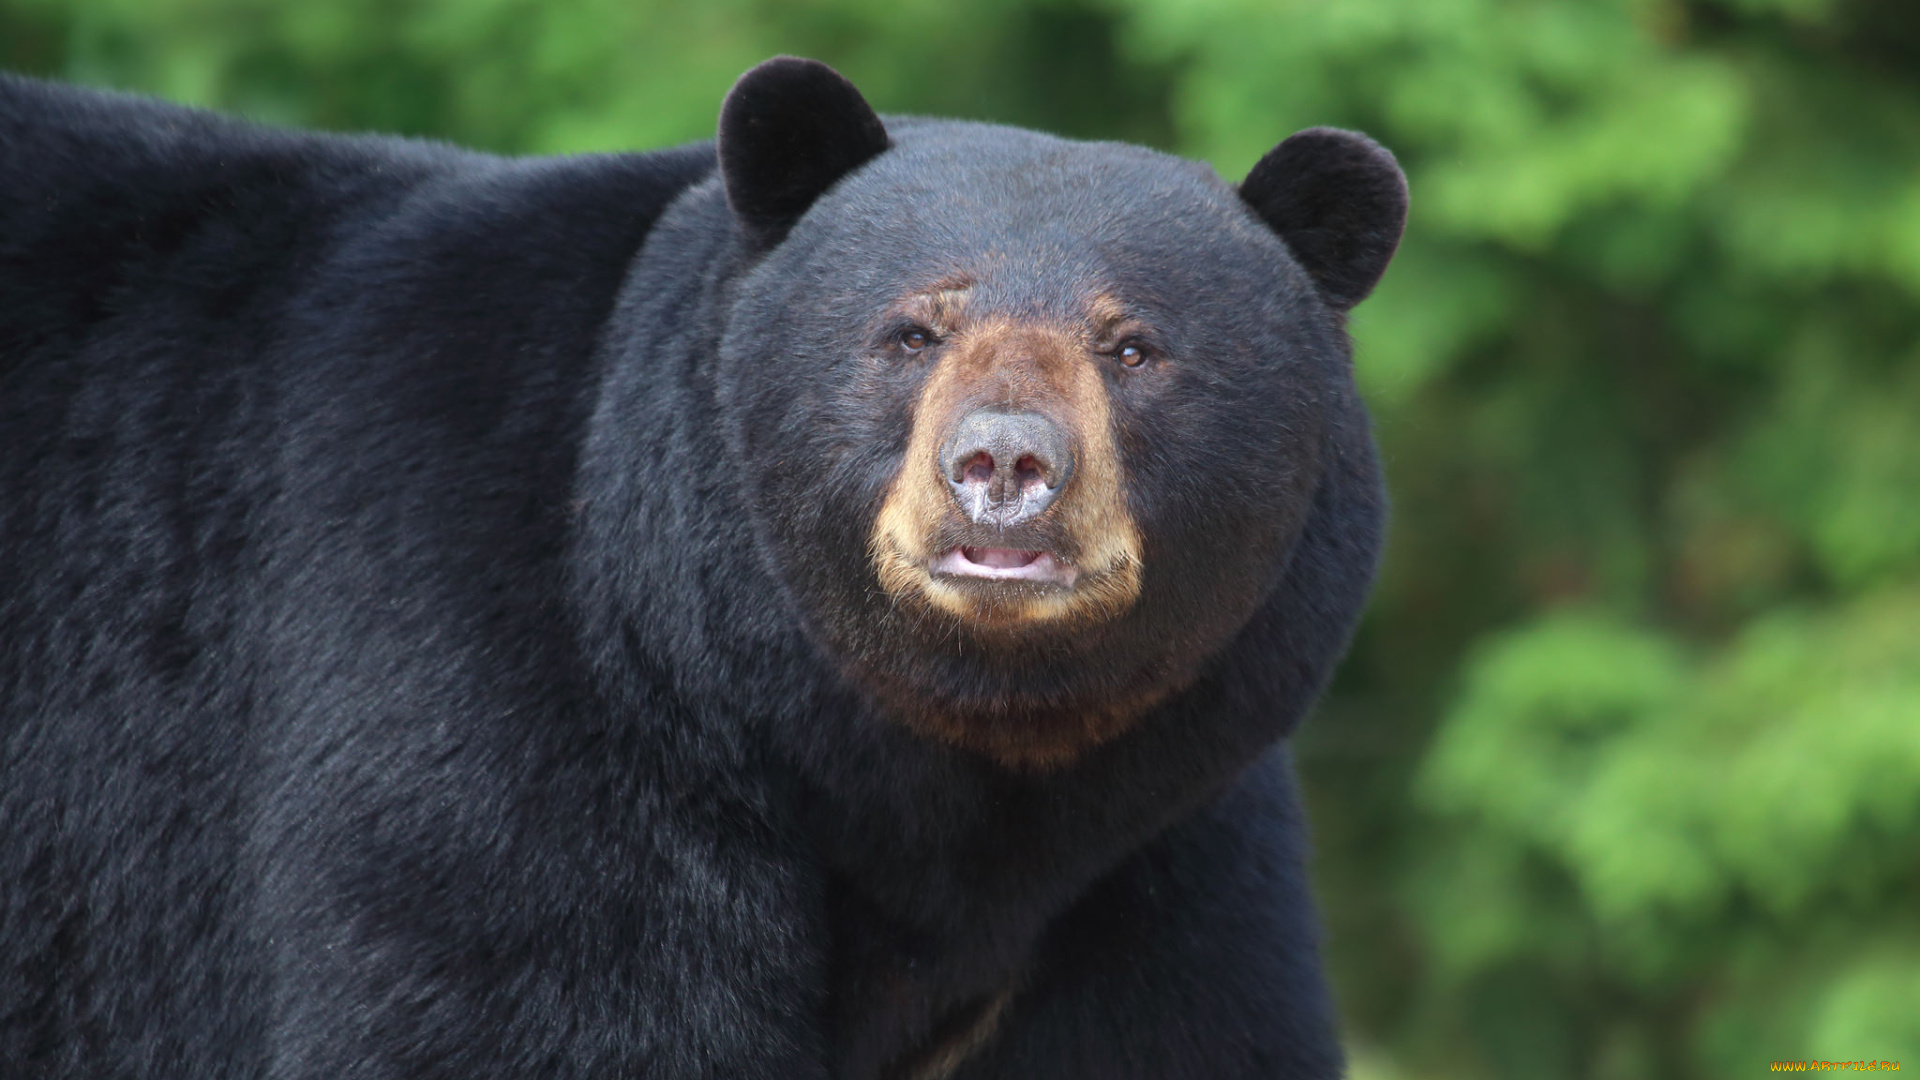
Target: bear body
x=482 y=618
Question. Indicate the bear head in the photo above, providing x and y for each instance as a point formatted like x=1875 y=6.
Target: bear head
x=1030 y=426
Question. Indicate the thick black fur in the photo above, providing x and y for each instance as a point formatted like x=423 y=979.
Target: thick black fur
x=410 y=668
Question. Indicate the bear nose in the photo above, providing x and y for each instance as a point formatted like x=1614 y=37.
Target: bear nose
x=1006 y=467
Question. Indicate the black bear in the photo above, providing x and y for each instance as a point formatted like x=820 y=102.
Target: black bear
x=827 y=602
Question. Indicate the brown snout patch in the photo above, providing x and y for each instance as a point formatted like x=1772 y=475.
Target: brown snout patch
x=1046 y=367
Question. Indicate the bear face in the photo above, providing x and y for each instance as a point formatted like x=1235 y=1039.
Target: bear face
x=1030 y=425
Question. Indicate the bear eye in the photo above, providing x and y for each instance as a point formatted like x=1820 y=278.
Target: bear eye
x=1131 y=353
x=914 y=338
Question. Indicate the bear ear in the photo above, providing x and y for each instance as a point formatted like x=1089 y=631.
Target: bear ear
x=1339 y=200
x=788 y=129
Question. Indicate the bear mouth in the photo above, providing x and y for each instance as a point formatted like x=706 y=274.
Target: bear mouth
x=1004 y=564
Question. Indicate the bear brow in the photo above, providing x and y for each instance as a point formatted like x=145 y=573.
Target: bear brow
x=1106 y=311
x=940 y=306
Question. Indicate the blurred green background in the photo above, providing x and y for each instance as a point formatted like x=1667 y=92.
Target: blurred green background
x=1622 y=779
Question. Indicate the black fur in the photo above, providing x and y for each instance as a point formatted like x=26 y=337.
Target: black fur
x=408 y=670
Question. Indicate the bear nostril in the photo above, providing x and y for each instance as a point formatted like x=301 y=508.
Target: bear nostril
x=1029 y=471
x=978 y=470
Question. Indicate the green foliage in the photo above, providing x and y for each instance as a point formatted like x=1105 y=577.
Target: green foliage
x=1756 y=804
x=563 y=76
x=1623 y=777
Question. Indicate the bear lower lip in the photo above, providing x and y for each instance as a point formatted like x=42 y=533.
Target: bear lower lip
x=1003 y=564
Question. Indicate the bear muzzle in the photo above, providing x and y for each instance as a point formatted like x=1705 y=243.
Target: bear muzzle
x=1009 y=510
